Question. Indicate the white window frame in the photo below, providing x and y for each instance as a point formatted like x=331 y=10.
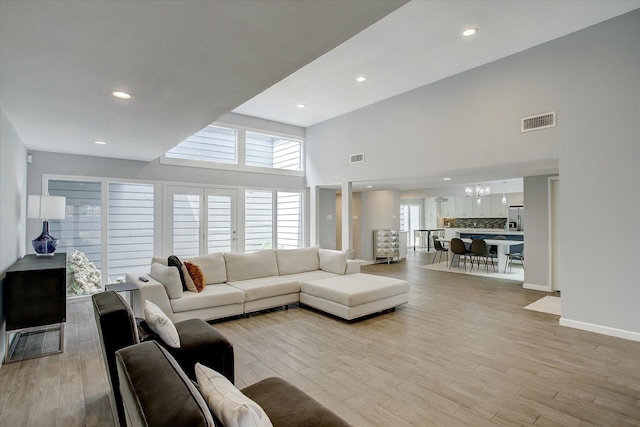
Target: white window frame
x=104 y=202
x=240 y=166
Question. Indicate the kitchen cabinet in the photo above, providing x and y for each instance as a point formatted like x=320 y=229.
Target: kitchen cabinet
x=464 y=207
x=515 y=199
x=447 y=209
x=497 y=209
x=482 y=209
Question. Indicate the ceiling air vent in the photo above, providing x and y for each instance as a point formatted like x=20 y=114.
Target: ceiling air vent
x=540 y=121
x=356 y=158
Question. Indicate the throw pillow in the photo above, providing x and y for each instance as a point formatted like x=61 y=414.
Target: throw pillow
x=161 y=324
x=169 y=278
x=196 y=275
x=187 y=278
x=174 y=261
x=332 y=261
x=227 y=403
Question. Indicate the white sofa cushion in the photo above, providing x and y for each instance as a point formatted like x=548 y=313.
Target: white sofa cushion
x=169 y=277
x=229 y=405
x=212 y=266
x=297 y=260
x=265 y=287
x=211 y=296
x=161 y=324
x=251 y=266
x=332 y=261
x=355 y=289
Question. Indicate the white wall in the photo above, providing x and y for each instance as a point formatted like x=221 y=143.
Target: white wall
x=327 y=208
x=90 y=166
x=378 y=210
x=536 y=232
x=471 y=120
x=13 y=196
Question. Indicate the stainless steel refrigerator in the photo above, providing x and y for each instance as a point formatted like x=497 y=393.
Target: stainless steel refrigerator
x=516 y=218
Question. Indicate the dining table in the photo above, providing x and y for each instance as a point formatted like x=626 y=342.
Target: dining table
x=503 y=247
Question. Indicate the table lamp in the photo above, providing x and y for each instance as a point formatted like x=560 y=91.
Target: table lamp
x=45 y=208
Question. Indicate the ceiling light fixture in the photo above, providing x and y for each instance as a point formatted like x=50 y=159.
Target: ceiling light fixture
x=369 y=186
x=446 y=179
x=100 y=142
x=121 y=95
x=479 y=191
x=300 y=105
x=468 y=32
x=361 y=78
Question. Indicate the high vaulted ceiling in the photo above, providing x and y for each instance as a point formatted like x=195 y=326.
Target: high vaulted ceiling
x=189 y=62
x=186 y=63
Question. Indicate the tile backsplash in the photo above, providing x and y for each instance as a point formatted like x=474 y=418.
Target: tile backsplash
x=475 y=222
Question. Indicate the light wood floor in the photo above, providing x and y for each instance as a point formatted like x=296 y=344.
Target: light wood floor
x=462 y=352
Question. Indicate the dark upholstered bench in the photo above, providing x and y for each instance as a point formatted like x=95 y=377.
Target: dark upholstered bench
x=118 y=328
x=152 y=384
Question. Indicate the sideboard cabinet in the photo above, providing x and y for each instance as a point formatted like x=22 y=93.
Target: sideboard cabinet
x=386 y=244
x=34 y=294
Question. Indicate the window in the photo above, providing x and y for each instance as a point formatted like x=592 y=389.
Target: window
x=211 y=144
x=130 y=228
x=273 y=152
x=82 y=227
x=273 y=216
x=186 y=225
x=232 y=147
x=289 y=220
x=410 y=220
x=258 y=223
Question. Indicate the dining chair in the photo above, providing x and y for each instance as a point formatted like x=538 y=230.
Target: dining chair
x=437 y=245
x=480 y=250
x=514 y=255
x=421 y=239
x=458 y=248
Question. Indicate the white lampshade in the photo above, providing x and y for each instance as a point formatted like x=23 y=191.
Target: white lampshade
x=46 y=207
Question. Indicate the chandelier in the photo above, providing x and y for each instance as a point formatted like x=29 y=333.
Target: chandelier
x=478 y=192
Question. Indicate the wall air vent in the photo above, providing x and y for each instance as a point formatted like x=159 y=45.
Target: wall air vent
x=356 y=158
x=540 y=121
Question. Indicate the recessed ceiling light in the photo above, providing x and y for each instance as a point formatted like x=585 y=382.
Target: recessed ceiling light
x=361 y=78
x=446 y=179
x=120 y=94
x=369 y=186
x=100 y=142
x=468 y=32
x=300 y=105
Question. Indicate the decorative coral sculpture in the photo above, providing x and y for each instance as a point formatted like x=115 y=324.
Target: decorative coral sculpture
x=85 y=278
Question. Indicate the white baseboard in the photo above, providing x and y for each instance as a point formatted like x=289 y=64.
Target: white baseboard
x=536 y=287
x=599 y=329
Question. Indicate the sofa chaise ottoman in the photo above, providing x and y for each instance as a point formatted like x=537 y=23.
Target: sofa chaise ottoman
x=354 y=295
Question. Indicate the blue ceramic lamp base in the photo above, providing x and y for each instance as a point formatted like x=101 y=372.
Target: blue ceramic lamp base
x=45 y=244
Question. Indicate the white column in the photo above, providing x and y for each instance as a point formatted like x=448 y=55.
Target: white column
x=347 y=216
x=313 y=215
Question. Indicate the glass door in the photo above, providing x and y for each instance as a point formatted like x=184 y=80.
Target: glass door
x=410 y=220
x=200 y=221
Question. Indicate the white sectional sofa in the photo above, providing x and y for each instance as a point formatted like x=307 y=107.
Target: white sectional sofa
x=243 y=283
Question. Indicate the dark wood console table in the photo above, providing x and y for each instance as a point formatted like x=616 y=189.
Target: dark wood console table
x=35 y=295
